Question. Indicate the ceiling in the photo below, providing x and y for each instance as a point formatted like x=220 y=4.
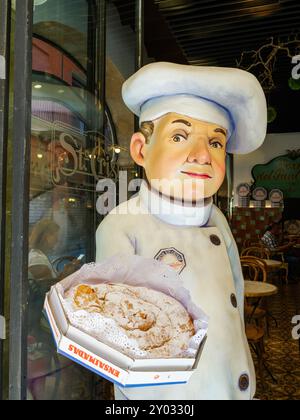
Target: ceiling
x=214 y=33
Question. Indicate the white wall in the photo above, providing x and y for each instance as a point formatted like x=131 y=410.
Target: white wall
x=274 y=145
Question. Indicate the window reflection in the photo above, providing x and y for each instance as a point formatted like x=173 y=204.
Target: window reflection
x=70 y=152
x=68 y=156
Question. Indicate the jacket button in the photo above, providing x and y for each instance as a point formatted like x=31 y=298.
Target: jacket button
x=215 y=240
x=233 y=300
x=244 y=382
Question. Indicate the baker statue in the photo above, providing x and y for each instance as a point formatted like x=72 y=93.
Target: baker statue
x=189 y=118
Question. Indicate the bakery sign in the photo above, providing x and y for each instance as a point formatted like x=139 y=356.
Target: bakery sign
x=243 y=190
x=281 y=173
x=80 y=159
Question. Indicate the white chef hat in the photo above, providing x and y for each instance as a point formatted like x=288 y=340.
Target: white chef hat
x=229 y=97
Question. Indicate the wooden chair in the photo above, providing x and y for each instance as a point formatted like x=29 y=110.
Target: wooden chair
x=256 y=314
x=251 y=242
x=255 y=251
x=279 y=257
x=255 y=336
x=255 y=269
x=272 y=266
x=246 y=243
x=284 y=265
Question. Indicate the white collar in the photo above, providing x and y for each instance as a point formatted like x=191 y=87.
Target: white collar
x=172 y=212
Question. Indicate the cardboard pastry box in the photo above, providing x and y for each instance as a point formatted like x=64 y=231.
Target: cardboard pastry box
x=110 y=363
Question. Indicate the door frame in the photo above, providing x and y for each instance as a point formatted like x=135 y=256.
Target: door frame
x=21 y=180
x=20 y=199
x=5 y=27
x=21 y=172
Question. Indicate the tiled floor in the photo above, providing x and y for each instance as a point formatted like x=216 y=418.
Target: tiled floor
x=282 y=351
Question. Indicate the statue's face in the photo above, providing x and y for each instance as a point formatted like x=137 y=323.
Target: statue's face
x=185 y=158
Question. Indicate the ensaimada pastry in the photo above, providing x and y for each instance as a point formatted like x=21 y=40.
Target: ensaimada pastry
x=138 y=321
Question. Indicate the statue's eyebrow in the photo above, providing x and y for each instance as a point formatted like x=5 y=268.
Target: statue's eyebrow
x=182 y=122
x=220 y=130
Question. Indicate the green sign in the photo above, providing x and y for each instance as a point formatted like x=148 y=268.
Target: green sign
x=282 y=172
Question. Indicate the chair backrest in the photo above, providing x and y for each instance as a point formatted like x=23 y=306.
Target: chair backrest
x=256 y=268
x=247 y=243
x=256 y=251
x=250 y=270
x=252 y=242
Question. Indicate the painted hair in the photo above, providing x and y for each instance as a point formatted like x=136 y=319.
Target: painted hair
x=147 y=129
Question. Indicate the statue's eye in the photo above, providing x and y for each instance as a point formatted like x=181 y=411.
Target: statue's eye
x=216 y=144
x=178 y=138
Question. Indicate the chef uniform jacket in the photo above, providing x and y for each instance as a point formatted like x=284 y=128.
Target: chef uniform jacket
x=203 y=251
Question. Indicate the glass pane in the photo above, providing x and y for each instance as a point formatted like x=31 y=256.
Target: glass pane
x=76 y=140
x=68 y=156
x=120 y=65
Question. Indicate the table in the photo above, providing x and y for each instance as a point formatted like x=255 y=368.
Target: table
x=259 y=289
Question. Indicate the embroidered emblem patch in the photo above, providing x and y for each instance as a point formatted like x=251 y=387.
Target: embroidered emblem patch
x=172 y=257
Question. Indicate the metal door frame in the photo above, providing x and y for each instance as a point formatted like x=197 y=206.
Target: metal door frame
x=20 y=199
x=21 y=173
x=5 y=27
x=21 y=184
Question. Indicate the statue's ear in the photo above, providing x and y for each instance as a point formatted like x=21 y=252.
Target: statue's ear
x=137 y=149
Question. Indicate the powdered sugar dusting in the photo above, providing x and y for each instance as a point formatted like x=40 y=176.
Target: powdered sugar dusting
x=149 y=326
x=139 y=322
x=103 y=329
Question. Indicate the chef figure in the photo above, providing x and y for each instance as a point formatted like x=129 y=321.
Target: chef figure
x=190 y=117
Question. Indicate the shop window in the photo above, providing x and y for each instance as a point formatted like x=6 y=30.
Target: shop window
x=70 y=152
